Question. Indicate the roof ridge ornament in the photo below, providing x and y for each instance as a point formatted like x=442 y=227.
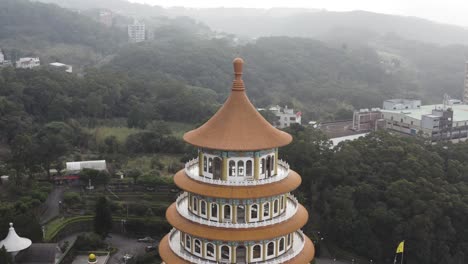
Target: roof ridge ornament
x=238 y=83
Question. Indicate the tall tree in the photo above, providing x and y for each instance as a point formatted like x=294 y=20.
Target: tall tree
x=5 y=257
x=103 y=217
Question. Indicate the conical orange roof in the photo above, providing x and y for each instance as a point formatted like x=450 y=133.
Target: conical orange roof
x=237 y=125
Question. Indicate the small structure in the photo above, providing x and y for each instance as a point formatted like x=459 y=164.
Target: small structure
x=4 y=178
x=337 y=140
x=400 y=104
x=92 y=259
x=136 y=32
x=367 y=120
x=3 y=62
x=64 y=67
x=14 y=243
x=28 y=63
x=99 y=165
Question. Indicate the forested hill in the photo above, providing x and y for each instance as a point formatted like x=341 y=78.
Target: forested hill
x=320 y=24
x=28 y=29
x=298 y=72
x=319 y=78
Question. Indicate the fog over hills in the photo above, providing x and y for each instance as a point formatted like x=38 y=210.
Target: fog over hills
x=297 y=22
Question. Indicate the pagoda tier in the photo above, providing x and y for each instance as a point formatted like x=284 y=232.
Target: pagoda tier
x=237 y=205
x=237 y=125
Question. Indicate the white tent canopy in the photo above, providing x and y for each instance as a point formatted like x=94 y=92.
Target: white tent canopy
x=13 y=242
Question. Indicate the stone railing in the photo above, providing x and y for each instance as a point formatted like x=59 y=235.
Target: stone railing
x=191 y=169
x=175 y=245
x=291 y=209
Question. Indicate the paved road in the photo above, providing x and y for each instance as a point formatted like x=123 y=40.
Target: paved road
x=125 y=245
x=52 y=205
x=329 y=261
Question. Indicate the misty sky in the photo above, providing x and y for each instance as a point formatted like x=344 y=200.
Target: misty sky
x=446 y=11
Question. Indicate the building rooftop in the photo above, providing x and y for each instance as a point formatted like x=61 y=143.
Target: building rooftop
x=41 y=253
x=460 y=111
x=237 y=125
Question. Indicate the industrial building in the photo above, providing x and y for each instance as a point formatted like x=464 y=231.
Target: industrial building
x=447 y=121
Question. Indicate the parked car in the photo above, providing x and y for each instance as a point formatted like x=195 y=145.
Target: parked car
x=151 y=248
x=146 y=240
x=127 y=257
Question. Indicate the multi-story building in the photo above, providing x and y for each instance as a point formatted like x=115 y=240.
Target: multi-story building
x=286 y=116
x=136 y=32
x=237 y=205
x=448 y=121
x=28 y=63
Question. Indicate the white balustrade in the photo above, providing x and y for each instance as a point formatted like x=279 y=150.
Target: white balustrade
x=191 y=169
x=176 y=247
x=182 y=208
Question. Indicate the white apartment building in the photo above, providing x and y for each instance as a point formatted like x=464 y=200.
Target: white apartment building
x=136 y=32
x=286 y=116
x=28 y=63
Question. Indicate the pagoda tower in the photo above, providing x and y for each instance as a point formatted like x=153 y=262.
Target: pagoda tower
x=237 y=205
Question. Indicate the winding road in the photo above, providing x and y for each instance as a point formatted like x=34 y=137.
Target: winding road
x=52 y=205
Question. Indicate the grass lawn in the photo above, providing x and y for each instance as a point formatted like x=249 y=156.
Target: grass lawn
x=144 y=163
x=178 y=129
x=121 y=133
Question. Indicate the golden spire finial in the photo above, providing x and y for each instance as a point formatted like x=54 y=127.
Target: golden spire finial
x=238 y=84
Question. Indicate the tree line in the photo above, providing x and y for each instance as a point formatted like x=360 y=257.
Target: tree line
x=369 y=194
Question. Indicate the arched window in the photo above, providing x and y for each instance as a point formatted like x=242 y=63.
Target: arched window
x=227 y=212
x=248 y=168
x=289 y=240
x=204 y=164
x=282 y=202
x=275 y=206
x=271 y=249
x=210 y=251
x=240 y=168
x=262 y=166
x=281 y=244
x=195 y=204
x=254 y=211
x=272 y=162
x=232 y=168
x=214 y=210
x=266 y=209
x=188 y=242
x=257 y=251
x=210 y=165
x=197 y=248
x=225 y=253
x=203 y=207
